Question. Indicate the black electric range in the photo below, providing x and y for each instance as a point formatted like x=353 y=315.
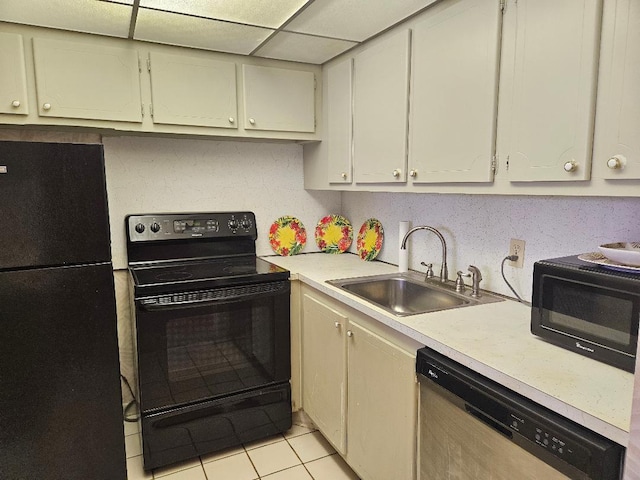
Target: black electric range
x=212 y=334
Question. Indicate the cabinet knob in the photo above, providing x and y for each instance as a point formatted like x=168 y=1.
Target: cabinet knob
x=15 y=103
x=337 y=324
x=252 y=121
x=46 y=106
x=413 y=173
x=344 y=175
x=616 y=162
x=571 y=166
x=231 y=119
x=349 y=333
x=396 y=173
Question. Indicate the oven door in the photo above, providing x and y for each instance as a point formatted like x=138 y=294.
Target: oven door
x=213 y=369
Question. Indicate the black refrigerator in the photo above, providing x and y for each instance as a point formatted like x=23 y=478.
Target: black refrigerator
x=60 y=399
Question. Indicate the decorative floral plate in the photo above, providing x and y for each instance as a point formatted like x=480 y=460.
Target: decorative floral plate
x=334 y=234
x=370 y=237
x=600 y=259
x=287 y=236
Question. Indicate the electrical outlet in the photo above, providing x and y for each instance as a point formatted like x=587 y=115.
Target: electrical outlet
x=516 y=247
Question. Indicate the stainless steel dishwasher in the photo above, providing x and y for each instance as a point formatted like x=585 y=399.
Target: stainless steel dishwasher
x=473 y=428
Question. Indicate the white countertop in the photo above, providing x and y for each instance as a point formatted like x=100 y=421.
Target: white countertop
x=494 y=340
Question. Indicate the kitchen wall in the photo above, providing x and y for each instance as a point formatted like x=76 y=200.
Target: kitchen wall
x=148 y=174
x=478 y=229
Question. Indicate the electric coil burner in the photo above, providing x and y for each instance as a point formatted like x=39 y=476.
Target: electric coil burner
x=212 y=332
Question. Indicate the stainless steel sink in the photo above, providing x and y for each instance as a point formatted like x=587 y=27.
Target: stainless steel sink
x=404 y=294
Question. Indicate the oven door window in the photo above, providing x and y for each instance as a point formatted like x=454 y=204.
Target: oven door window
x=193 y=352
x=603 y=316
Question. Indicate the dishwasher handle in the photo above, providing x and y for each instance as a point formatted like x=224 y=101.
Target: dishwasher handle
x=487 y=420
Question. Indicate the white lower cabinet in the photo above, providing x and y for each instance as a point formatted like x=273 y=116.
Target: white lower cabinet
x=324 y=371
x=359 y=387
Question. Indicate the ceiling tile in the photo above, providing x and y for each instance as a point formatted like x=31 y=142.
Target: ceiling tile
x=264 y=13
x=303 y=48
x=355 y=20
x=90 y=16
x=175 y=29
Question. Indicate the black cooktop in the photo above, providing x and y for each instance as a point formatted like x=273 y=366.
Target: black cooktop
x=204 y=273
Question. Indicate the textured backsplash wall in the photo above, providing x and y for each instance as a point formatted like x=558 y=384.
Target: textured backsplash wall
x=152 y=175
x=478 y=229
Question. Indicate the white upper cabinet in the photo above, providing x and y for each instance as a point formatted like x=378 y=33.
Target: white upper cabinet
x=454 y=81
x=338 y=111
x=549 y=69
x=87 y=80
x=193 y=91
x=617 y=137
x=380 y=109
x=278 y=99
x=13 y=78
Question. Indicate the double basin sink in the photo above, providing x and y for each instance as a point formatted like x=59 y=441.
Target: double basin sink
x=405 y=294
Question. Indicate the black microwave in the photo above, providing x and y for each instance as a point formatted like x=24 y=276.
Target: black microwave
x=588 y=309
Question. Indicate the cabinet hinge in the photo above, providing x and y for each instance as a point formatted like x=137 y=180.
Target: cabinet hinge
x=503 y=5
x=494 y=164
x=151 y=109
x=142 y=109
x=139 y=66
x=148 y=64
x=507 y=164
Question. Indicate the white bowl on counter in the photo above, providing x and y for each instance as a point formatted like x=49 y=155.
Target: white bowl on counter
x=625 y=253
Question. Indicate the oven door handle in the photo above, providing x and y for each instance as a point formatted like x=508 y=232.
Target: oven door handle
x=213 y=297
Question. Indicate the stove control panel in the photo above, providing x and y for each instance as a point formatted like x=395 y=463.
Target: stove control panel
x=158 y=227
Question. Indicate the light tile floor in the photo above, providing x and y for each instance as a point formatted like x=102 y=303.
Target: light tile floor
x=302 y=453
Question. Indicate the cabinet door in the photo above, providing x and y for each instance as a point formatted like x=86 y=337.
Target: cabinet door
x=554 y=80
x=90 y=81
x=324 y=369
x=278 y=99
x=380 y=108
x=454 y=92
x=617 y=137
x=339 y=121
x=382 y=407
x=193 y=91
x=13 y=79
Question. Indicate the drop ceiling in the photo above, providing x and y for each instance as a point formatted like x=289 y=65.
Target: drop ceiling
x=311 y=31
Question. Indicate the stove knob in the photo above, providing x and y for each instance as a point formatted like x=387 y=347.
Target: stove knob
x=155 y=228
x=246 y=223
x=139 y=228
x=233 y=224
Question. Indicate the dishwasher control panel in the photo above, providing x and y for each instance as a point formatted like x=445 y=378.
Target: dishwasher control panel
x=540 y=432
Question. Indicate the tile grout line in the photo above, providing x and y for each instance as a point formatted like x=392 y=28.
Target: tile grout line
x=246 y=452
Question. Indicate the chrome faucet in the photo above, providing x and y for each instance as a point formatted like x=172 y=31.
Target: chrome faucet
x=444 y=271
